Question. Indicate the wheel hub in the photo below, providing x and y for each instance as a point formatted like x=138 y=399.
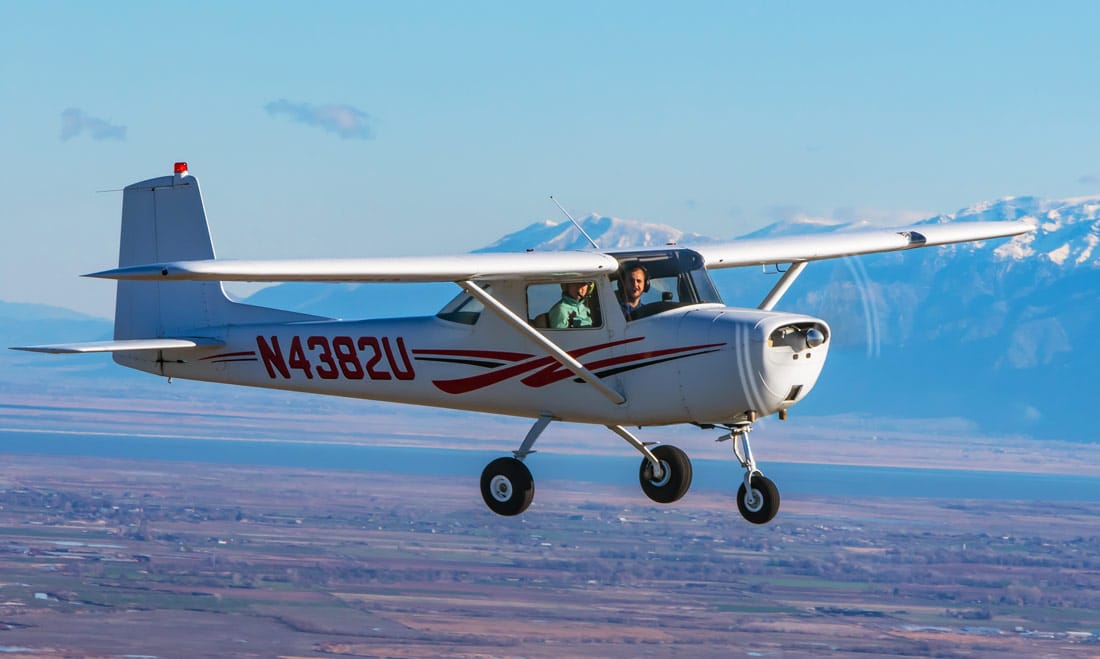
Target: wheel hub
x=666 y=475
x=754 y=501
x=501 y=488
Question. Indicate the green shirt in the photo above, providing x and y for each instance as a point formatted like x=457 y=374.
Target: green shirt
x=569 y=313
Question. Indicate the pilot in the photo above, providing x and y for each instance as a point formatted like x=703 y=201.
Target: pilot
x=635 y=281
x=571 y=310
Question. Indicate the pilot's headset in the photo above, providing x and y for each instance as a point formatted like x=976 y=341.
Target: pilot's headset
x=631 y=267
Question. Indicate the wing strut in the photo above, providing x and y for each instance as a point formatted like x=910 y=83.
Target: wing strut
x=781 y=286
x=520 y=325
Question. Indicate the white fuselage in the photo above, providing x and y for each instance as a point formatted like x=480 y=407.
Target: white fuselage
x=698 y=364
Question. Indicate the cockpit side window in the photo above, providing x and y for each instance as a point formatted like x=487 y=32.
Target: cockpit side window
x=564 y=305
x=652 y=282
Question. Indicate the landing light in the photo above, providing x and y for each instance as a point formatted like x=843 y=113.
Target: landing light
x=814 y=337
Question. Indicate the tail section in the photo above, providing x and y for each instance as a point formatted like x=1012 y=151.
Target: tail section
x=163 y=219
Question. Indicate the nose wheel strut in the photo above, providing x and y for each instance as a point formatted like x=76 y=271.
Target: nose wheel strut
x=758 y=497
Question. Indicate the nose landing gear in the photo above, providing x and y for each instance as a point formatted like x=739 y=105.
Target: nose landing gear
x=758 y=497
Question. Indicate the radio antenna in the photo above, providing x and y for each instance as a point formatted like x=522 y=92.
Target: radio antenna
x=575 y=223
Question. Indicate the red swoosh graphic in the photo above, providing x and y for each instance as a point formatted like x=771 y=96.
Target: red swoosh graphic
x=558 y=373
x=551 y=371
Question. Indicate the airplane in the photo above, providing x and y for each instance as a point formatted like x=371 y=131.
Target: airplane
x=681 y=357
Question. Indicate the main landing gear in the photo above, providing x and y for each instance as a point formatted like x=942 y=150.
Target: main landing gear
x=665 y=475
x=506 y=483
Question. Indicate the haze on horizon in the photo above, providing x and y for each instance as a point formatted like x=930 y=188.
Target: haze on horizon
x=355 y=129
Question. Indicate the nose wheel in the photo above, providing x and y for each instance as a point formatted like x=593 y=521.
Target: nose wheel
x=759 y=502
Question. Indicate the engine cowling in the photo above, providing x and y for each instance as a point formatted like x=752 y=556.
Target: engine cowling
x=769 y=362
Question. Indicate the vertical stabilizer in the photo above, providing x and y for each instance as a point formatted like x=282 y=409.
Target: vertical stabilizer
x=163 y=220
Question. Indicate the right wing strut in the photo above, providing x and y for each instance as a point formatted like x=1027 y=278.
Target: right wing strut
x=520 y=325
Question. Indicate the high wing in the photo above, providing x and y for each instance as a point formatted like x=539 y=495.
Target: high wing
x=488 y=267
x=466 y=267
x=793 y=249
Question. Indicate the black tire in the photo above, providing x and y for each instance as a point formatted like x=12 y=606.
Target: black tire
x=507 y=486
x=765 y=502
x=677 y=477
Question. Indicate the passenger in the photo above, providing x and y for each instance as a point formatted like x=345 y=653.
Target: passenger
x=635 y=281
x=571 y=310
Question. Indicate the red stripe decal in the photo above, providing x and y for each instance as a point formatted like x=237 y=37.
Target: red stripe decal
x=250 y=353
x=484 y=354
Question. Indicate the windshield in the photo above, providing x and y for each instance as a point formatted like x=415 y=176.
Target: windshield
x=464 y=308
x=652 y=282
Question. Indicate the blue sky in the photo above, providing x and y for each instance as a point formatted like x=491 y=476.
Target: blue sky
x=366 y=129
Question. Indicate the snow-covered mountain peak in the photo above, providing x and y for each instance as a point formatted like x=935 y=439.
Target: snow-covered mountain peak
x=1066 y=229
x=608 y=232
x=805 y=224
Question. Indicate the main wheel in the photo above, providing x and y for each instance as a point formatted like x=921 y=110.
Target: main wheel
x=507 y=486
x=760 y=503
x=675 y=480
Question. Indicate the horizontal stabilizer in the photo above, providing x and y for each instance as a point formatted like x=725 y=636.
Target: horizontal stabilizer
x=125 y=345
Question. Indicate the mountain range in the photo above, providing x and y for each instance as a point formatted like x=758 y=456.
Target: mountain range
x=998 y=333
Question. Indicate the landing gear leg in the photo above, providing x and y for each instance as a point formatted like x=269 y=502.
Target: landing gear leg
x=665 y=472
x=757 y=498
x=506 y=483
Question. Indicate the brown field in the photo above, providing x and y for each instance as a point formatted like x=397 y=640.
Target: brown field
x=106 y=558
x=124 y=557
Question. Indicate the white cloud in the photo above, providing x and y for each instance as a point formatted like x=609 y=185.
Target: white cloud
x=344 y=120
x=74 y=122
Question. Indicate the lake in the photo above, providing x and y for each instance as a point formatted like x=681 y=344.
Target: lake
x=709 y=474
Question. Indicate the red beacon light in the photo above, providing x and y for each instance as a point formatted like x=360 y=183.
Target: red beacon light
x=180 y=168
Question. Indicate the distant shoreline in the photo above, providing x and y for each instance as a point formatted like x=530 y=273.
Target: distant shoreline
x=710 y=474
